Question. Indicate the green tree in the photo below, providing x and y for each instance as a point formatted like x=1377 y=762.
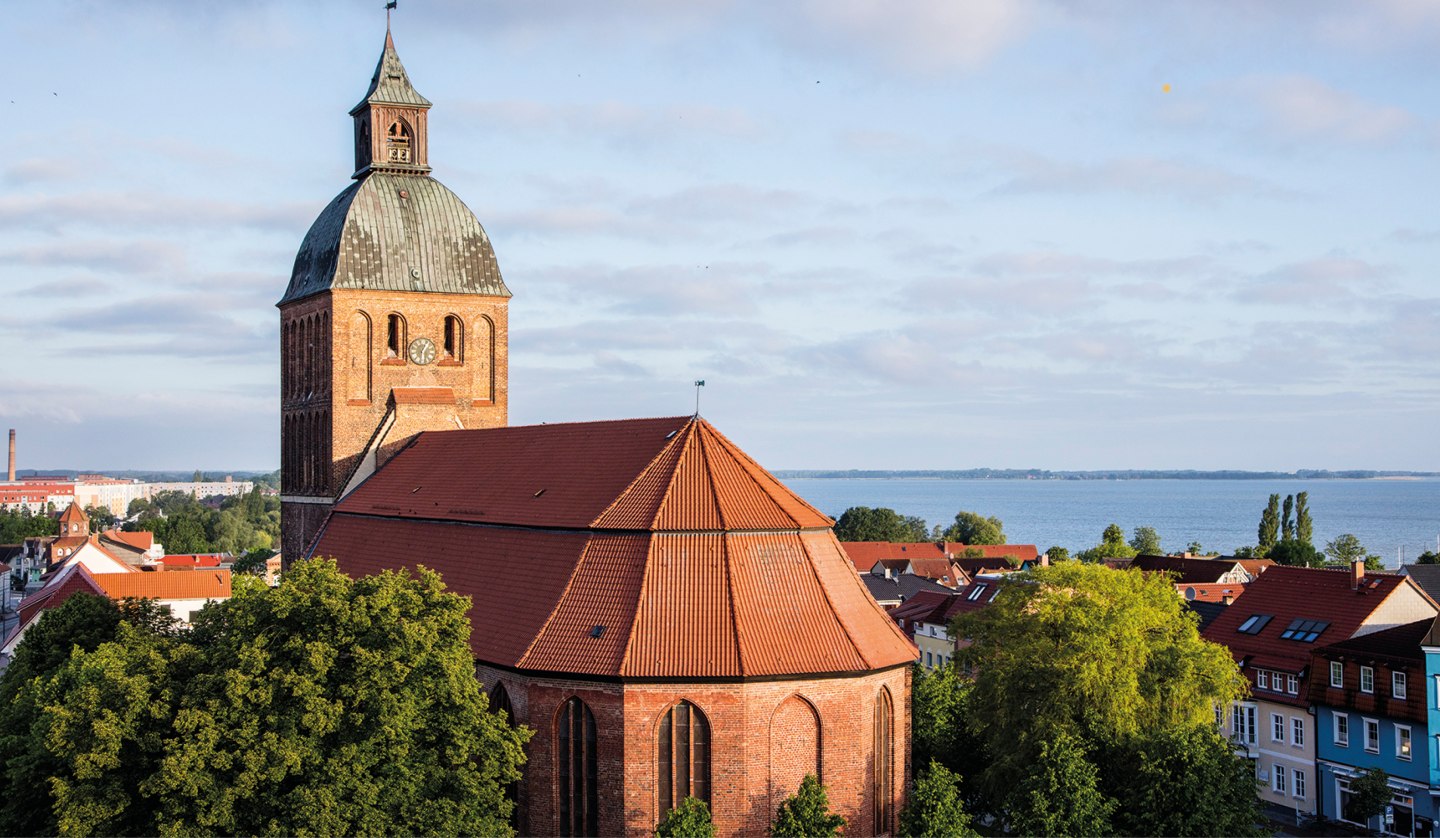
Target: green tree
x=1146 y=542
x=1058 y=554
x=1346 y=549
x=1297 y=553
x=974 y=528
x=1369 y=795
x=1428 y=557
x=16 y=526
x=1112 y=546
x=252 y=562
x=861 y=523
x=1269 y=531
x=1304 y=526
x=1061 y=794
x=806 y=813
x=1079 y=649
x=1218 y=797
x=935 y=808
x=101 y=518
x=1287 y=521
x=1194 y=549
x=691 y=819
x=197 y=477
x=938 y=729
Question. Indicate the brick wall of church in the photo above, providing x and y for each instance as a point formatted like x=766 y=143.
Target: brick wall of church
x=763 y=741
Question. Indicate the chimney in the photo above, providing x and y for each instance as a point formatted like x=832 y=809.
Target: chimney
x=1044 y=559
x=1227 y=599
x=1357 y=574
x=10 y=472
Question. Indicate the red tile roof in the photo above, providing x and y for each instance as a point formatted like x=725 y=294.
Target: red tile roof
x=649 y=548
x=1209 y=593
x=864 y=554
x=1286 y=594
x=74 y=514
x=193 y=560
x=209 y=584
x=68 y=582
x=141 y=540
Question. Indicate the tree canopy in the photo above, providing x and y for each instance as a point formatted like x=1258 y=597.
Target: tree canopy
x=241 y=524
x=974 y=528
x=1079 y=665
x=806 y=813
x=861 y=523
x=1146 y=542
x=1112 y=546
x=18 y=525
x=1346 y=548
x=935 y=809
x=691 y=819
x=324 y=706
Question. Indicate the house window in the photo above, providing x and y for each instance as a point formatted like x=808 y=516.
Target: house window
x=1342 y=730
x=1242 y=721
x=1299 y=785
x=884 y=794
x=1337 y=674
x=1292 y=684
x=1372 y=736
x=1397 y=684
x=1297 y=731
x=1277 y=727
x=1262 y=679
x=579 y=770
x=1402 y=742
x=683 y=755
x=1277 y=778
x=1367 y=679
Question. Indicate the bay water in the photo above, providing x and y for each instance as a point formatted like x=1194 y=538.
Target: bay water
x=1389 y=516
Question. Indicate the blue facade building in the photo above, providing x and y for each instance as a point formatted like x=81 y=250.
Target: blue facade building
x=1376 y=706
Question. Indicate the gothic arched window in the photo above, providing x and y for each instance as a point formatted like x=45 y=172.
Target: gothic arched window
x=454 y=338
x=682 y=758
x=395 y=336
x=397 y=142
x=578 y=767
x=500 y=702
x=884 y=764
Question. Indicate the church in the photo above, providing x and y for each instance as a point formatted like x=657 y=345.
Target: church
x=667 y=616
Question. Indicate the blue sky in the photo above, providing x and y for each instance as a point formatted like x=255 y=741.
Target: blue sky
x=926 y=234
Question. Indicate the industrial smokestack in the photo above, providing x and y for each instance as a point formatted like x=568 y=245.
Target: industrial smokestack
x=10 y=472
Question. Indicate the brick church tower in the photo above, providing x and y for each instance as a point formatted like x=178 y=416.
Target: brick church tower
x=394 y=321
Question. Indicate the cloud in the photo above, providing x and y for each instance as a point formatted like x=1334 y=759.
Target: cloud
x=619 y=124
x=1326 y=280
x=1304 y=108
x=1410 y=235
x=1139 y=175
x=66 y=289
x=114 y=210
x=130 y=257
x=41 y=170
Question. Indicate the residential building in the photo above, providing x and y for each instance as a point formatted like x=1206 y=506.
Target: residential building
x=1284 y=615
x=890 y=589
x=1373 y=705
x=926 y=619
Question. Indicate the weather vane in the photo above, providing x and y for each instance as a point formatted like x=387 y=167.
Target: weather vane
x=389 y=7
x=699 y=382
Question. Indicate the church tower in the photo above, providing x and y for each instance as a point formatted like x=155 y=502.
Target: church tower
x=394 y=321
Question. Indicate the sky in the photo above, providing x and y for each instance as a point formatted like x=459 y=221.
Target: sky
x=919 y=234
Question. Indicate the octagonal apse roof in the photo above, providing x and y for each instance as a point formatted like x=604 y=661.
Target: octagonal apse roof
x=650 y=548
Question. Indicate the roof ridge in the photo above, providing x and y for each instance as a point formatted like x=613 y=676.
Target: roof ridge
x=750 y=467
x=677 y=439
x=639 y=598
x=709 y=472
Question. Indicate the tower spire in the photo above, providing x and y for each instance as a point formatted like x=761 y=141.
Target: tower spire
x=390 y=122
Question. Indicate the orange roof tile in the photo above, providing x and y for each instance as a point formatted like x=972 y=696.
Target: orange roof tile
x=209 y=584
x=650 y=548
x=139 y=540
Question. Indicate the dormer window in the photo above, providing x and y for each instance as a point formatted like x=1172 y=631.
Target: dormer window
x=397 y=142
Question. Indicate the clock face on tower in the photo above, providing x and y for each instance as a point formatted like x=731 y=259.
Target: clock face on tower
x=422 y=351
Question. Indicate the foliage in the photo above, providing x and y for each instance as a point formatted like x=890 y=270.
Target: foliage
x=18 y=525
x=1287 y=519
x=1269 y=531
x=861 y=523
x=1369 y=794
x=1081 y=651
x=1346 y=549
x=1146 y=542
x=1297 y=553
x=974 y=528
x=101 y=518
x=1112 y=546
x=1194 y=549
x=1217 y=798
x=1060 y=795
x=253 y=562
x=938 y=730
x=935 y=808
x=691 y=819
x=1058 y=554
x=1304 y=526
x=1428 y=557
x=242 y=524
x=327 y=705
x=806 y=813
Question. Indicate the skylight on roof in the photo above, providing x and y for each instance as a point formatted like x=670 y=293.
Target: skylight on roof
x=1254 y=623
x=975 y=594
x=1304 y=631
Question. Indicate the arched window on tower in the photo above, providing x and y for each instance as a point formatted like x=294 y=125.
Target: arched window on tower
x=884 y=764
x=397 y=142
x=360 y=357
x=454 y=339
x=578 y=769
x=682 y=755
x=395 y=336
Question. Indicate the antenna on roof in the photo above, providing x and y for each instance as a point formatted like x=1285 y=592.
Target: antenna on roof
x=699 y=382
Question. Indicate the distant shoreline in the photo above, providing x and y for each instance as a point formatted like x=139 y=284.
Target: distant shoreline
x=1158 y=474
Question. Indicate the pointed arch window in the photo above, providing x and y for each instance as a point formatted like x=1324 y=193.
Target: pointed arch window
x=884 y=764
x=683 y=755
x=395 y=336
x=578 y=770
x=454 y=339
x=397 y=142
x=500 y=702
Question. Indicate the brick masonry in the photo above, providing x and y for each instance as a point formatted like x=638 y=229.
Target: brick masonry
x=765 y=736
